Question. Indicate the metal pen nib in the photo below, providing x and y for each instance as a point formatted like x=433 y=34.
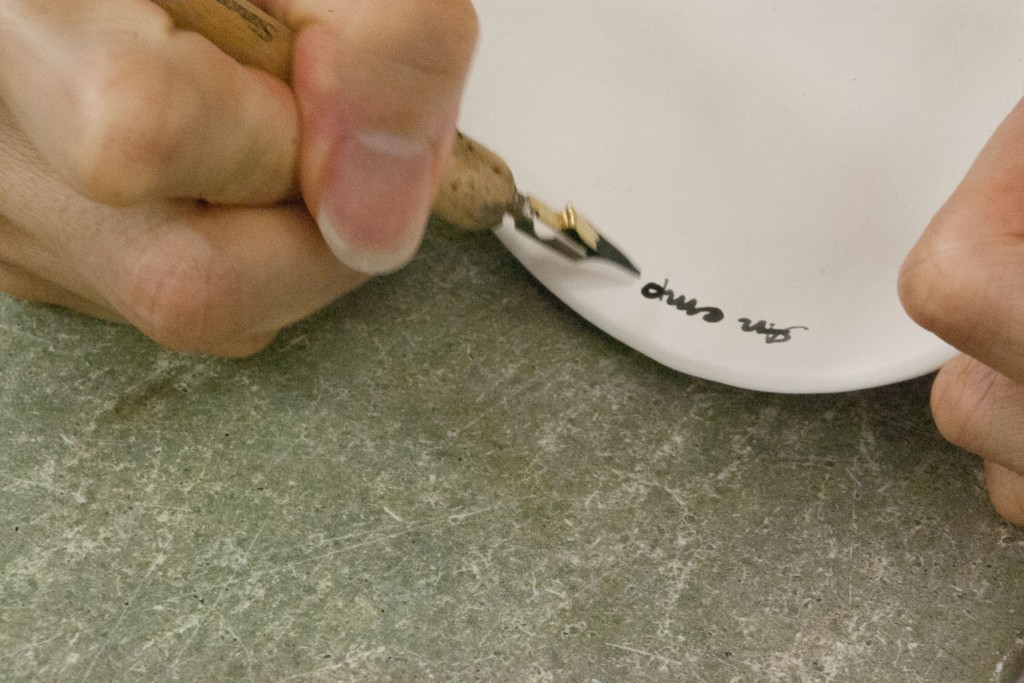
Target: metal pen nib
x=573 y=236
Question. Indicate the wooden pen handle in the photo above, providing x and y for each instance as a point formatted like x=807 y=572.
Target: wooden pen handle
x=240 y=29
x=477 y=189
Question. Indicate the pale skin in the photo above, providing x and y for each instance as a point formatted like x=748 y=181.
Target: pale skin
x=146 y=178
x=964 y=281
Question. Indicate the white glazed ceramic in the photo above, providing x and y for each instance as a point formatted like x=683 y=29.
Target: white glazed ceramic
x=768 y=162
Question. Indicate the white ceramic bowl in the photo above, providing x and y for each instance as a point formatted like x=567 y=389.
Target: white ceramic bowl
x=766 y=162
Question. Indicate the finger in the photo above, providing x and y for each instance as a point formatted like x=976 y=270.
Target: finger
x=981 y=411
x=128 y=109
x=213 y=280
x=1006 y=489
x=201 y=279
x=194 y=277
x=963 y=278
x=224 y=280
x=379 y=86
x=21 y=284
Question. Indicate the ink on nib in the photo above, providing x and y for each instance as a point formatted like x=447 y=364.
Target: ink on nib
x=573 y=235
x=608 y=251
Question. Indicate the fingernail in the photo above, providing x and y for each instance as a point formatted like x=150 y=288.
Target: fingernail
x=376 y=201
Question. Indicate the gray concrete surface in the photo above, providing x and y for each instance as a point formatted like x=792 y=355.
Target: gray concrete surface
x=448 y=476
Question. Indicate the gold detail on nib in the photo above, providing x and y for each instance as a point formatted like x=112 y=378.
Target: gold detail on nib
x=573 y=235
x=568 y=220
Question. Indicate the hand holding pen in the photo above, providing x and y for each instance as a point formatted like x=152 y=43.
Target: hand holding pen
x=477 y=188
x=142 y=169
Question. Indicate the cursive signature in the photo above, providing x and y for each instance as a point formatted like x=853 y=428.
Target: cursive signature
x=653 y=290
x=772 y=334
x=713 y=314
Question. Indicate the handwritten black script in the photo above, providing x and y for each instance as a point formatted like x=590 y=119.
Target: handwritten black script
x=772 y=334
x=713 y=314
x=653 y=290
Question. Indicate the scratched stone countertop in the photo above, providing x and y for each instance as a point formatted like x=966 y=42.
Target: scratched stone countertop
x=448 y=476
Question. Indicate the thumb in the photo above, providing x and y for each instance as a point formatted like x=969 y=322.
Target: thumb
x=379 y=84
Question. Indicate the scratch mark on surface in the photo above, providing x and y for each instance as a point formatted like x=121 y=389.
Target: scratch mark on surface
x=392 y=514
x=213 y=609
x=158 y=560
x=644 y=653
x=462 y=516
x=10 y=330
x=585 y=588
x=1012 y=663
x=372 y=541
x=675 y=494
x=12 y=654
x=77 y=495
x=506 y=398
x=250 y=658
x=352 y=660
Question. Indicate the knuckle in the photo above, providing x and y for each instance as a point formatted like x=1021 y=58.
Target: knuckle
x=433 y=40
x=465 y=28
x=925 y=287
x=134 y=124
x=457 y=41
x=949 y=419
x=176 y=307
x=1008 y=499
x=960 y=402
x=188 y=302
x=939 y=285
x=951 y=281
